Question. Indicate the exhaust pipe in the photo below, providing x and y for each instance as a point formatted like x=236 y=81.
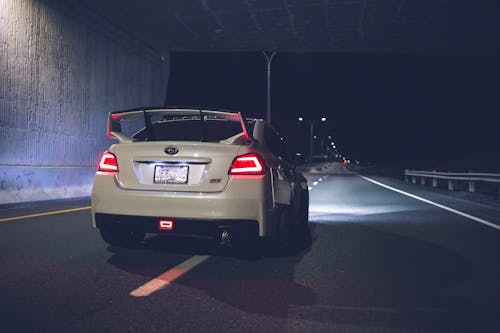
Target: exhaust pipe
x=225 y=237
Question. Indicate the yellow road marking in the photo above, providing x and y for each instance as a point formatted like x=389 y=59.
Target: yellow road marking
x=44 y=214
x=168 y=277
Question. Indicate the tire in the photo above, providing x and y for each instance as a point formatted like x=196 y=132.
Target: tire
x=302 y=233
x=285 y=230
x=125 y=238
x=303 y=210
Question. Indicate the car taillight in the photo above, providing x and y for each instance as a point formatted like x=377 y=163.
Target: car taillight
x=248 y=164
x=166 y=224
x=108 y=162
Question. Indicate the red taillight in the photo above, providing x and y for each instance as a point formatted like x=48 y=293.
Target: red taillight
x=166 y=224
x=108 y=162
x=248 y=164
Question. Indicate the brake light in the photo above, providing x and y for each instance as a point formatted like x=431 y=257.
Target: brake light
x=108 y=162
x=248 y=164
x=166 y=224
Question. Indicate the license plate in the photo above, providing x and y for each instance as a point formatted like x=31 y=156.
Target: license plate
x=171 y=174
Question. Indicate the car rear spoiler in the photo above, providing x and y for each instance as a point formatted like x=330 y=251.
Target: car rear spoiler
x=114 y=118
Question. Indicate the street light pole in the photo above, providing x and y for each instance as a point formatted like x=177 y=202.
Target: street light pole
x=311 y=133
x=311 y=127
x=269 y=59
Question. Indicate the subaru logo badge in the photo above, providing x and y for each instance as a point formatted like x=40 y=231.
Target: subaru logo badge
x=171 y=150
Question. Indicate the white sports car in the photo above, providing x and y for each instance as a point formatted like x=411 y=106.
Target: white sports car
x=196 y=173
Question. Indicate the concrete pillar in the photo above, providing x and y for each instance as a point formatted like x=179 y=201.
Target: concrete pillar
x=422 y=180
x=451 y=184
x=414 y=179
x=407 y=179
x=434 y=182
x=472 y=186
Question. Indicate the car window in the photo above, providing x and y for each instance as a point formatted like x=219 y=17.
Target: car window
x=190 y=130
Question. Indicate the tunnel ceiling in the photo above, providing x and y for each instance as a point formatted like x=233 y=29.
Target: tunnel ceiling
x=359 y=26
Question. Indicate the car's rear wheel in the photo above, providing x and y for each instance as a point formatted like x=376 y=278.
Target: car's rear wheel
x=303 y=211
x=121 y=237
x=285 y=229
x=302 y=233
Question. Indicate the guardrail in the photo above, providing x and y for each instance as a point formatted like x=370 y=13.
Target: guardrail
x=453 y=178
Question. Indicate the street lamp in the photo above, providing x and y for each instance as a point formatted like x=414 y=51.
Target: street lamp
x=311 y=133
x=269 y=59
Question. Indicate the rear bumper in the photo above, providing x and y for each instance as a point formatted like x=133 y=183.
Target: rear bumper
x=244 y=200
x=246 y=229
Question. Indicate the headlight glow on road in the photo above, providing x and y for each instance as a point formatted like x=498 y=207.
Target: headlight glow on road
x=353 y=210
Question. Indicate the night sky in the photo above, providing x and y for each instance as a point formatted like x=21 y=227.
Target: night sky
x=415 y=110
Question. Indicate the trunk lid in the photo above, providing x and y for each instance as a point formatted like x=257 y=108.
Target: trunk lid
x=178 y=166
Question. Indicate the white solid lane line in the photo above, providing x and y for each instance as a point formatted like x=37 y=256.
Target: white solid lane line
x=477 y=219
x=168 y=277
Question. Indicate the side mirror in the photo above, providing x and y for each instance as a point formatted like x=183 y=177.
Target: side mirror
x=298 y=159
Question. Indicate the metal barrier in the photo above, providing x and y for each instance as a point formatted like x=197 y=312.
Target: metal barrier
x=453 y=178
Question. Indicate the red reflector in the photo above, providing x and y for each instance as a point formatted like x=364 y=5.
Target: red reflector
x=166 y=224
x=248 y=164
x=108 y=162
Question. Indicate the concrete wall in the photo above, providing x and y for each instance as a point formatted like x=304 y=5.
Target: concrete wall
x=62 y=68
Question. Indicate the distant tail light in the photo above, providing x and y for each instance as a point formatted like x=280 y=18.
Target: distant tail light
x=108 y=162
x=248 y=164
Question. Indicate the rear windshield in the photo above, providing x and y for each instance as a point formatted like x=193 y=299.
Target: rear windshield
x=190 y=130
x=168 y=125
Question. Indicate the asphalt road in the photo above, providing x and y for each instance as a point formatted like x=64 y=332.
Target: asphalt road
x=376 y=261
